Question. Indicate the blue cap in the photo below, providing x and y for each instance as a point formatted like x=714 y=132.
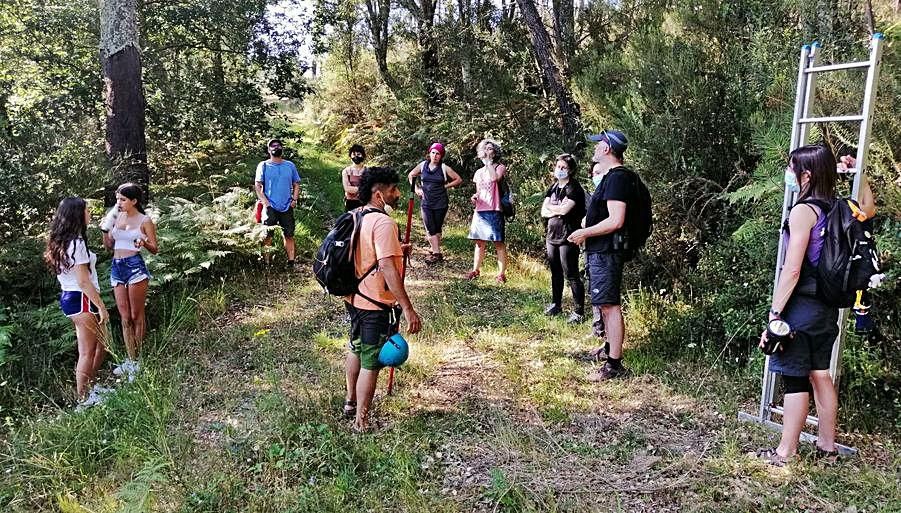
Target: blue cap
x=614 y=138
x=879 y=35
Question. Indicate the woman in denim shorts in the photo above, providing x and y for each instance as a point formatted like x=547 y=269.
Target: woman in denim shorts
x=129 y=232
x=67 y=255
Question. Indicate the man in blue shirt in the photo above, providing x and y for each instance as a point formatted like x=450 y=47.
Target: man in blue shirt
x=277 y=184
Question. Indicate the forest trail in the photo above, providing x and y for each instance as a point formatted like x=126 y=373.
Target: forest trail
x=491 y=413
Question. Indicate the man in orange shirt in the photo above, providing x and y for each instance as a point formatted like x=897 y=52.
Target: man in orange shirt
x=375 y=309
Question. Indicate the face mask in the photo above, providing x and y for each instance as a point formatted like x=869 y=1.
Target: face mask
x=597 y=179
x=356 y=159
x=791 y=181
x=560 y=174
x=275 y=152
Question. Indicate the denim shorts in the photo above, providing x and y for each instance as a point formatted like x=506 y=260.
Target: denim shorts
x=487 y=225
x=75 y=302
x=605 y=278
x=129 y=270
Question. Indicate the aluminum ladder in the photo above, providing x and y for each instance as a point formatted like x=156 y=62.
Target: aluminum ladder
x=802 y=120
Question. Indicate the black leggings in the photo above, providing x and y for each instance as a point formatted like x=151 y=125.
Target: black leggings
x=564 y=262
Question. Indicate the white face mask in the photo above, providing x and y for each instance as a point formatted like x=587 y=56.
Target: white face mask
x=791 y=181
x=597 y=179
x=561 y=174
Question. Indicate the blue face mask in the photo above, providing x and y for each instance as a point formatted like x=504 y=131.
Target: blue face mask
x=791 y=181
x=560 y=174
x=597 y=179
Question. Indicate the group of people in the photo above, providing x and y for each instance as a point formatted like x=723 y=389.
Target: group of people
x=127 y=231
x=576 y=222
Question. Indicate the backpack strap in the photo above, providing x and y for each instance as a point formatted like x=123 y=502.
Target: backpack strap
x=358 y=223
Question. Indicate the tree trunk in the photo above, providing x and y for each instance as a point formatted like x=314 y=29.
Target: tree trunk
x=552 y=81
x=378 y=13
x=565 y=33
x=424 y=12
x=120 y=60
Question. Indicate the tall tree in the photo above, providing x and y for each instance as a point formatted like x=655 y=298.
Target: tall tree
x=552 y=80
x=424 y=14
x=378 y=13
x=120 y=60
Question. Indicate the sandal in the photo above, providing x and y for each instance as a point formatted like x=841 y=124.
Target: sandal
x=433 y=258
x=350 y=408
x=826 y=457
x=471 y=275
x=771 y=457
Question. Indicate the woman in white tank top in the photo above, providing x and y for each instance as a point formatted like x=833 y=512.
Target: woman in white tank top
x=131 y=231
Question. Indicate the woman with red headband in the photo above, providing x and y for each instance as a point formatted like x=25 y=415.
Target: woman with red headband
x=435 y=178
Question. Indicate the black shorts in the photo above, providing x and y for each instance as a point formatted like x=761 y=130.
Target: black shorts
x=369 y=329
x=433 y=219
x=815 y=327
x=272 y=217
x=605 y=278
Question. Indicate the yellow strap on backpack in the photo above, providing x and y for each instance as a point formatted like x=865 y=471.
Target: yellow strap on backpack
x=857 y=212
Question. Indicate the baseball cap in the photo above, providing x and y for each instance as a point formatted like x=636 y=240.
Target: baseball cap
x=614 y=138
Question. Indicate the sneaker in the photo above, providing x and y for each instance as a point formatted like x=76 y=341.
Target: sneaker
x=575 y=318
x=501 y=278
x=434 y=258
x=471 y=275
x=552 y=309
x=96 y=396
x=119 y=370
x=608 y=372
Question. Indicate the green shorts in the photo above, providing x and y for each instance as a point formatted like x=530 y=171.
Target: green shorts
x=369 y=330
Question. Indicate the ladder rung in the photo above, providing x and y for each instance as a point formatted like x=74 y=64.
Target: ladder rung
x=811 y=420
x=836 y=67
x=830 y=119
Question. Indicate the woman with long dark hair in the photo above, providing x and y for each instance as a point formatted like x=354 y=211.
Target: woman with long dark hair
x=67 y=255
x=132 y=231
x=804 y=362
x=564 y=208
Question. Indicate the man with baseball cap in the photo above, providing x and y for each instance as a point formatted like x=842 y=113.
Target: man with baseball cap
x=602 y=235
x=277 y=184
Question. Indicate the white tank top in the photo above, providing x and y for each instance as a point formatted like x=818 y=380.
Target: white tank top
x=125 y=239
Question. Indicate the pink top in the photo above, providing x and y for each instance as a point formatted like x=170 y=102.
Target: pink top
x=487 y=196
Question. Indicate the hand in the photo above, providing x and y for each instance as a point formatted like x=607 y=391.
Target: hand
x=846 y=164
x=407 y=248
x=140 y=242
x=293 y=202
x=419 y=192
x=414 y=323
x=577 y=237
x=473 y=199
x=103 y=314
x=763 y=340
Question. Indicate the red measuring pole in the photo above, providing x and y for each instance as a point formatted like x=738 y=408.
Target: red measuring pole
x=403 y=274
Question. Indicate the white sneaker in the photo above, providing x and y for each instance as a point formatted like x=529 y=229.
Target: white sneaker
x=120 y=369
x=95 y=397
x=128 y=369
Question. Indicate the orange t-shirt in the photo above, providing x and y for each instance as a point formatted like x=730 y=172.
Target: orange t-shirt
x=378 y=239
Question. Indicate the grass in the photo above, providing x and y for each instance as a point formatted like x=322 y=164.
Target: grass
x=238 y=410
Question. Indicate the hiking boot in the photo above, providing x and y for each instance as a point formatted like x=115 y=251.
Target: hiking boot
x=434 y=258
x=575 y=318
x=608 y=372
x=552 y=310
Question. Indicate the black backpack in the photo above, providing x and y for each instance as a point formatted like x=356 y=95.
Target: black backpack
x=508 y=209
x=333 y=266
x=639 y=221
x=849 y=257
